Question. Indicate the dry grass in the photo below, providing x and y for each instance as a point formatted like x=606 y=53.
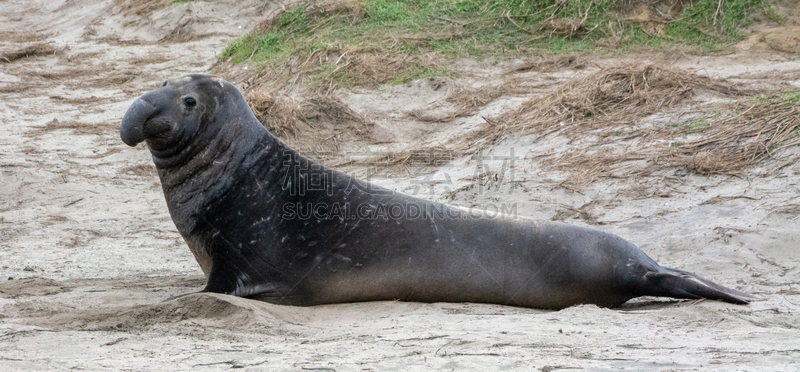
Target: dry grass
x=308 y=123
x=141 y=8
x=568 y=26
x=87 y=57
x=91 y=100
x=74 y=126
x=327 y=10
x=747 y=137
x=361 y=66
x=585 y=167
x=435 y=156
x=20 y=37
x=329 y=110
x=375 y=67
x=18 y=87
x=280 y=115
x=329 y=69
x=586 y=212
x=469 y=100
x=754 y=134
x=150 y=59
x=549 y=64
x=411 y=162
x=604 y=100
x=142 y=170
x=592 y=112
x=66 y=73
x=33 y=50
x=181 y=31
x=188 y=29
x=322 y=127
x=86 y=74
x=117 y=40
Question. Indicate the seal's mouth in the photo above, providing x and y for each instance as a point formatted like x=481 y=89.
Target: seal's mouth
x=132 y=129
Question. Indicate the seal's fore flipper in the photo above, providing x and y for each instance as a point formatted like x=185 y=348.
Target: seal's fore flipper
x=682 y=284
x=245 y=275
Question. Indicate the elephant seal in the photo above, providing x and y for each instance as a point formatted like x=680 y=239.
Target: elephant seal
x=265 y=222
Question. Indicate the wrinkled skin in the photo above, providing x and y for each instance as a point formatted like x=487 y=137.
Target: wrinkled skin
x=232 y=187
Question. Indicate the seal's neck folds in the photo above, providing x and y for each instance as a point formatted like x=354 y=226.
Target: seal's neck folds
x=205 y=163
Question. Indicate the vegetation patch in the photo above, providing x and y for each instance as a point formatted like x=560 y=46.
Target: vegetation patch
x=604 y=101
x=337 y=41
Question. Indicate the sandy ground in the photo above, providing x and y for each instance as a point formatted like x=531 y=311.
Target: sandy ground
x=88 y=253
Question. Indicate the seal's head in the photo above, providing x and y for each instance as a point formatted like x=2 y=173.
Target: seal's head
x=187 y=110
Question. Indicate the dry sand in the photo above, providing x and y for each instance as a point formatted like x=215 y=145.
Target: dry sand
x=88 y=253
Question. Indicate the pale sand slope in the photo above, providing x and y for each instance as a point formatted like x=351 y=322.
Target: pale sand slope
x=87 y=239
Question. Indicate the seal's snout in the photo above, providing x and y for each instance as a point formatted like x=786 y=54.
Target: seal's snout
x=132 y=130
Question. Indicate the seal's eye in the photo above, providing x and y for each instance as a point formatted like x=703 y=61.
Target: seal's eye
x=165 y=83
x=189 y=102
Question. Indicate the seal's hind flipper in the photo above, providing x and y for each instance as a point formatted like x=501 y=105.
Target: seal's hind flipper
x=682 y=284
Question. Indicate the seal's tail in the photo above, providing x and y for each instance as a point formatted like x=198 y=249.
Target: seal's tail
x=681 y=284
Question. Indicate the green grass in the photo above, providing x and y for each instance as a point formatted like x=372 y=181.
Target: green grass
x=476 y=28
x=698 y=27
x=791 y=96
x=699 y=125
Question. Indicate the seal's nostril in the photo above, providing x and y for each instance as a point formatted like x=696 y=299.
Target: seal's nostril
x=165 y=83
x=132 y=128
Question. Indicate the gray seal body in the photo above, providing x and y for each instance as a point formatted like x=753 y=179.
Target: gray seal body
x=265 y=222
